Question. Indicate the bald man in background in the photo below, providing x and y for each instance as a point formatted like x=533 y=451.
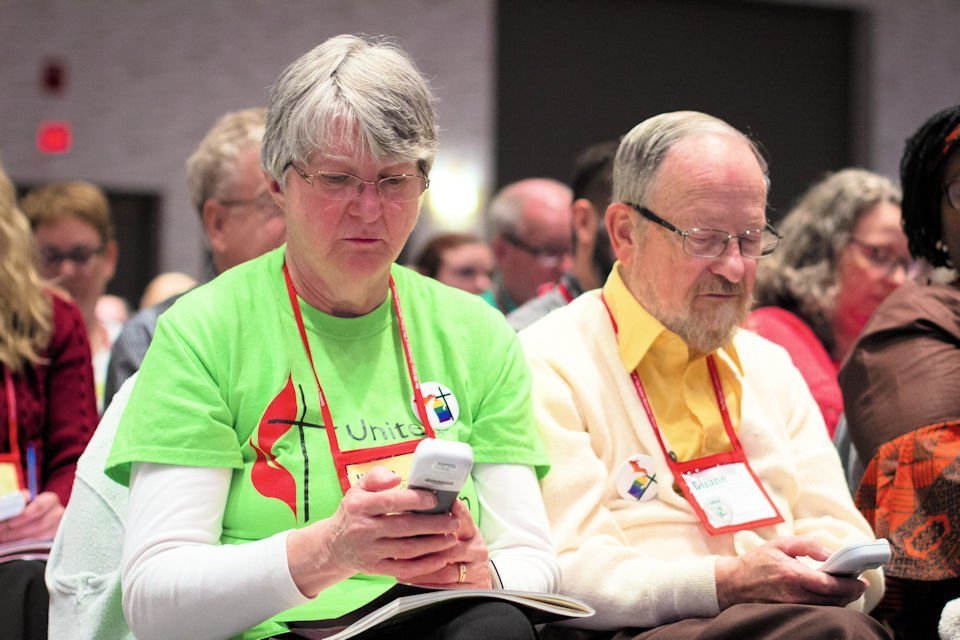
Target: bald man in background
x=530 y=236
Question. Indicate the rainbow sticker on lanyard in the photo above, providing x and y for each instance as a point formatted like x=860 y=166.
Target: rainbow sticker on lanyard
x=443 y=409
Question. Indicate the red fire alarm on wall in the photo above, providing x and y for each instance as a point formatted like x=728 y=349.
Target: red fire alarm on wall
x=54 y=137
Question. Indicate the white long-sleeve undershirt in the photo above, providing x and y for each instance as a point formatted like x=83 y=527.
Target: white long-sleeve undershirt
x=179 y=581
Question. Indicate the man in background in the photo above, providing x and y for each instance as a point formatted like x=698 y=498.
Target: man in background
x=592 y=256
x=240 y=222
x=530 y=236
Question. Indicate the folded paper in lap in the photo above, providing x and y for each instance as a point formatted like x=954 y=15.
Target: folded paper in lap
x=538 y=607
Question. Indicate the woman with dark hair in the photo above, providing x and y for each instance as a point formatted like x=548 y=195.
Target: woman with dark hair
x=460 y=260
x=900 y=386
x=47 y=414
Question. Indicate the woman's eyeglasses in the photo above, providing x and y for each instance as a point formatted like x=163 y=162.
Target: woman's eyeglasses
x=337 y=185
x=80 y=255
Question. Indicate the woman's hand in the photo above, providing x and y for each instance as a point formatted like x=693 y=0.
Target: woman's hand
x=39 y=520
x=470 y=553
x=373 y=531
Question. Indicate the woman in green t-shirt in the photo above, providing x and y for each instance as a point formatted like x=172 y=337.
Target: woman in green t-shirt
x=268 y=435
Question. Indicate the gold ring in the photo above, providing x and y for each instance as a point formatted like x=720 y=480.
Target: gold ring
x=463 y=573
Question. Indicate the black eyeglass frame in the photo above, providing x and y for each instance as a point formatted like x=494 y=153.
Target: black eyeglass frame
x=537 y=252
x=652 y=217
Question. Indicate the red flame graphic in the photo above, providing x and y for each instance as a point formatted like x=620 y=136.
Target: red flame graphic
x=269 y=477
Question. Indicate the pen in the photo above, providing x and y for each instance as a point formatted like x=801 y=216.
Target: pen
x=32 y=471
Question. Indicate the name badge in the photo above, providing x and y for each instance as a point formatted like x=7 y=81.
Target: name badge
x=9 y=477
x=400 y=465
x=728 y=497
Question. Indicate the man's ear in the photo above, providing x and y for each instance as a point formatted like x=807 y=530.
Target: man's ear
x=499 y=247
x=621 y=225
x=585 y=221
x=214 y=217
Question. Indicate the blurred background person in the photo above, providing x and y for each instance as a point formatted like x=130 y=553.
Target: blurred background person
x=239 y=218
x=592 y=255
x=460 y=260
x=529 y=225
x=165 y=285
x=223 y=168
x=111 y=309
x=900 y=385
x=75 y=239
x=47 y=412
x=843 y=252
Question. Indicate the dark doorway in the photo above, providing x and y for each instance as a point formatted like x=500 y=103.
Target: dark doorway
x=574 y=72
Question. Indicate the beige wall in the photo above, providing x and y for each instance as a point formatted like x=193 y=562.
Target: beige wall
x=146 y=79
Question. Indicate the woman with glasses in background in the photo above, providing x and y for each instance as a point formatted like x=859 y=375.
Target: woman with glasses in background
x=77 y=251
x=460 y=260
x=47 y=415
x=843 y=252
x=273 y=421
x=901 y=386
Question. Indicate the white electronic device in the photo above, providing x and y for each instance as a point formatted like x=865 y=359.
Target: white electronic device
x=854 y=559
x=12 y=504
x=441 y=466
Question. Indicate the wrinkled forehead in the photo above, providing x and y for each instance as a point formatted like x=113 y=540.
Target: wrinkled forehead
x=711 y=181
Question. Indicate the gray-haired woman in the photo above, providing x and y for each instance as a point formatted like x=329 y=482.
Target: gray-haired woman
x=275 y=415
x=843 y=252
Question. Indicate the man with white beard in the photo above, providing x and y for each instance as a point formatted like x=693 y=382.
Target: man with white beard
x=693 y=489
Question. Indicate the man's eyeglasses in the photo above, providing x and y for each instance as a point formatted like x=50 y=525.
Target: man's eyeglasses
x=336 y=185
x=952 y=191
x=886 y=260
x=263 y=203
x=710 y=243
x=80 y=256
x=547 y=256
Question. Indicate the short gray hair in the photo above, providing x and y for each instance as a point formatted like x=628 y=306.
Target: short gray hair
x=505 y=212
x=643 y=149
x=213 y=164
x=350 y=84
x=801 y=275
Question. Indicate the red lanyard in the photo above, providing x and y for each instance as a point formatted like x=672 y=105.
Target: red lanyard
x=678 y=469
x=717 y=390
x=12 y=425
x=562 y=289
x=344 y=458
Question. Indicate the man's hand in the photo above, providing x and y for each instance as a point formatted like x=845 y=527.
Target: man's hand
x=39 y=520
x=771 y=573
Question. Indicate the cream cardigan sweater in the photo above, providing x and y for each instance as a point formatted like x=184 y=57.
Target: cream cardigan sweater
x=643 y=564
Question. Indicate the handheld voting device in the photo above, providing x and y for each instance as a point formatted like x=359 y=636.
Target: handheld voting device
x=854 y=559
x=441 y=466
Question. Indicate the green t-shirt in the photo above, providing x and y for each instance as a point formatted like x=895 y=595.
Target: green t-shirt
x=227 y=383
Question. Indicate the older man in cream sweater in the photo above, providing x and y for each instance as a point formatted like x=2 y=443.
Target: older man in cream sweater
x=694 y=490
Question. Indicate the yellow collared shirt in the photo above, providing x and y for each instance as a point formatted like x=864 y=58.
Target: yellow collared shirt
x=678 y=388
